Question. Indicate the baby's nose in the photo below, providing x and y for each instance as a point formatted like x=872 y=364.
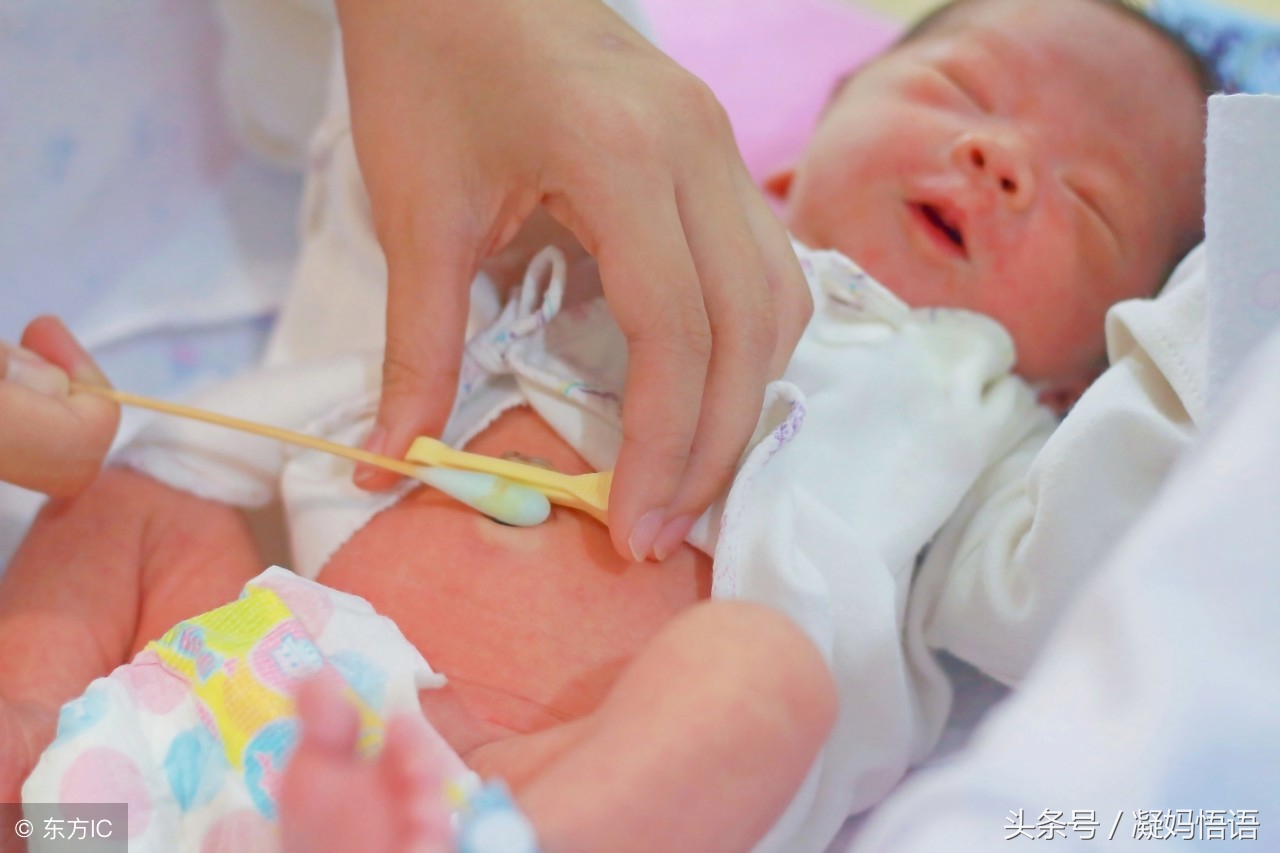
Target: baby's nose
x=1000 y=160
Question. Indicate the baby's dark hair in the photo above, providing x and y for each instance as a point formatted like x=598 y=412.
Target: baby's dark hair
x=1205 y=76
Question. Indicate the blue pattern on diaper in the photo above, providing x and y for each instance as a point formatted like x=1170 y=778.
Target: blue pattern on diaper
x=366 y=678
x=265 y=758
x=78 y=715
x=194 y=766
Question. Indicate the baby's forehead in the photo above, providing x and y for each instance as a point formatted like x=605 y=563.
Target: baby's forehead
x=1066 y=27
x=1103 y=60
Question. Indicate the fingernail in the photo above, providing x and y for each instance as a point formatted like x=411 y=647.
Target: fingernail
x=643 y=534
x=671 y=535
x=373 y=443
x=25 y=368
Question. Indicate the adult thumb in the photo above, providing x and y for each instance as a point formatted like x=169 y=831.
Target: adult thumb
x=426 y=325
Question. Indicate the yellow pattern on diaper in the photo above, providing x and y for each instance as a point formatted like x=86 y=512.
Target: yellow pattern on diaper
x=243 y=661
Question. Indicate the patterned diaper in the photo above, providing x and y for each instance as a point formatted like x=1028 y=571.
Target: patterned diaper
x=195 y=732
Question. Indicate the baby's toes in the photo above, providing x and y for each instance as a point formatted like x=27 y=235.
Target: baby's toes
x=414 y=787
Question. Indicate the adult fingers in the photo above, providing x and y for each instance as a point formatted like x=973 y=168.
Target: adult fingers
x=739 y=307
x=427 y=294
x=652 y=287
x=792 y=299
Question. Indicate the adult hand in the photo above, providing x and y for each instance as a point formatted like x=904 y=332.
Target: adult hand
x=51 y=440
x=467 y=117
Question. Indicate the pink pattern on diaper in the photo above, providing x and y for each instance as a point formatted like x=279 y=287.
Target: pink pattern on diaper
x=307 y=602
x=285 y=656
x=243 y=831
x=152 y=686
x=105 y=775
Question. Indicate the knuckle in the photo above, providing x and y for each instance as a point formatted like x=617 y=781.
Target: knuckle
x=758 y=332
x=794 y=304
x=748 y=328
x=678 y=333
x=406 y=373
x=697 y=105
x=629 y=128
x=694 y=341
x=713 y=474
x=399 y=225
x=667 y=449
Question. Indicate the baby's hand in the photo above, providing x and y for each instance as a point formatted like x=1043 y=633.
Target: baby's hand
x=51 y=440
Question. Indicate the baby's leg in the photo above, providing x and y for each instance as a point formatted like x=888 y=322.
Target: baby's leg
x=98 y=577
x=699 y=746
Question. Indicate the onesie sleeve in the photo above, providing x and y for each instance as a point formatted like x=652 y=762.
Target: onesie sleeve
x=1040 y=521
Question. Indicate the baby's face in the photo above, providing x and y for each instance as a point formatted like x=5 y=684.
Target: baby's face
x=1033 y=160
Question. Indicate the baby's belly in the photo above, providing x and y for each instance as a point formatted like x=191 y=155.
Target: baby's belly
x=531 y=625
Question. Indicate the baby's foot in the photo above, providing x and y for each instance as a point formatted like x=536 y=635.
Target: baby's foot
x=25 y=730
x=332 y=799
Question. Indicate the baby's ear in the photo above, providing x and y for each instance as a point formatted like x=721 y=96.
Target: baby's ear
x=778 y=184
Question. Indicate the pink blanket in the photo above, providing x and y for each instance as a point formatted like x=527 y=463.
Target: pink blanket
x=772 y=63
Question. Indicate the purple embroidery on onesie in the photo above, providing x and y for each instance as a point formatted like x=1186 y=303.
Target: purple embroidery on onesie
x=785 y=431
x=726 y=555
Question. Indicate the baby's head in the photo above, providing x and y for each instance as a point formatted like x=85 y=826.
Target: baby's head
x=1033 y=160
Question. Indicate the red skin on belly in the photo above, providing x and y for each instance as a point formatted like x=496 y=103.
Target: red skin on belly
x=531 y=626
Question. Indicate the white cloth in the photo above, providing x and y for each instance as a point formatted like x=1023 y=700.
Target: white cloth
x=1000 y=573
x=1242 y=186
x=1153 y=708
x=126 y=208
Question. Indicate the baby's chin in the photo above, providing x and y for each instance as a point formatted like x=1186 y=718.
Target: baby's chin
x=1058 y=381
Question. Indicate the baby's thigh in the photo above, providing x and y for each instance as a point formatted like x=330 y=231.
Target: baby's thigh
x=735 y=700
x=199 y=558
x=730 y=671
x=716 y=679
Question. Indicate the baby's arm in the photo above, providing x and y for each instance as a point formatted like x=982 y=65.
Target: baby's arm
x=98 y=576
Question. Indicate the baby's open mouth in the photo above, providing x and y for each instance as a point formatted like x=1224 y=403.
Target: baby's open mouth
x=942 y=226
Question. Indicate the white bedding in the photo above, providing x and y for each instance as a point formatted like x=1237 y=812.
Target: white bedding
x=126 y=205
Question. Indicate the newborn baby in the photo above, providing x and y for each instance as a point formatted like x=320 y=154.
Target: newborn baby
x=1029 y=161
